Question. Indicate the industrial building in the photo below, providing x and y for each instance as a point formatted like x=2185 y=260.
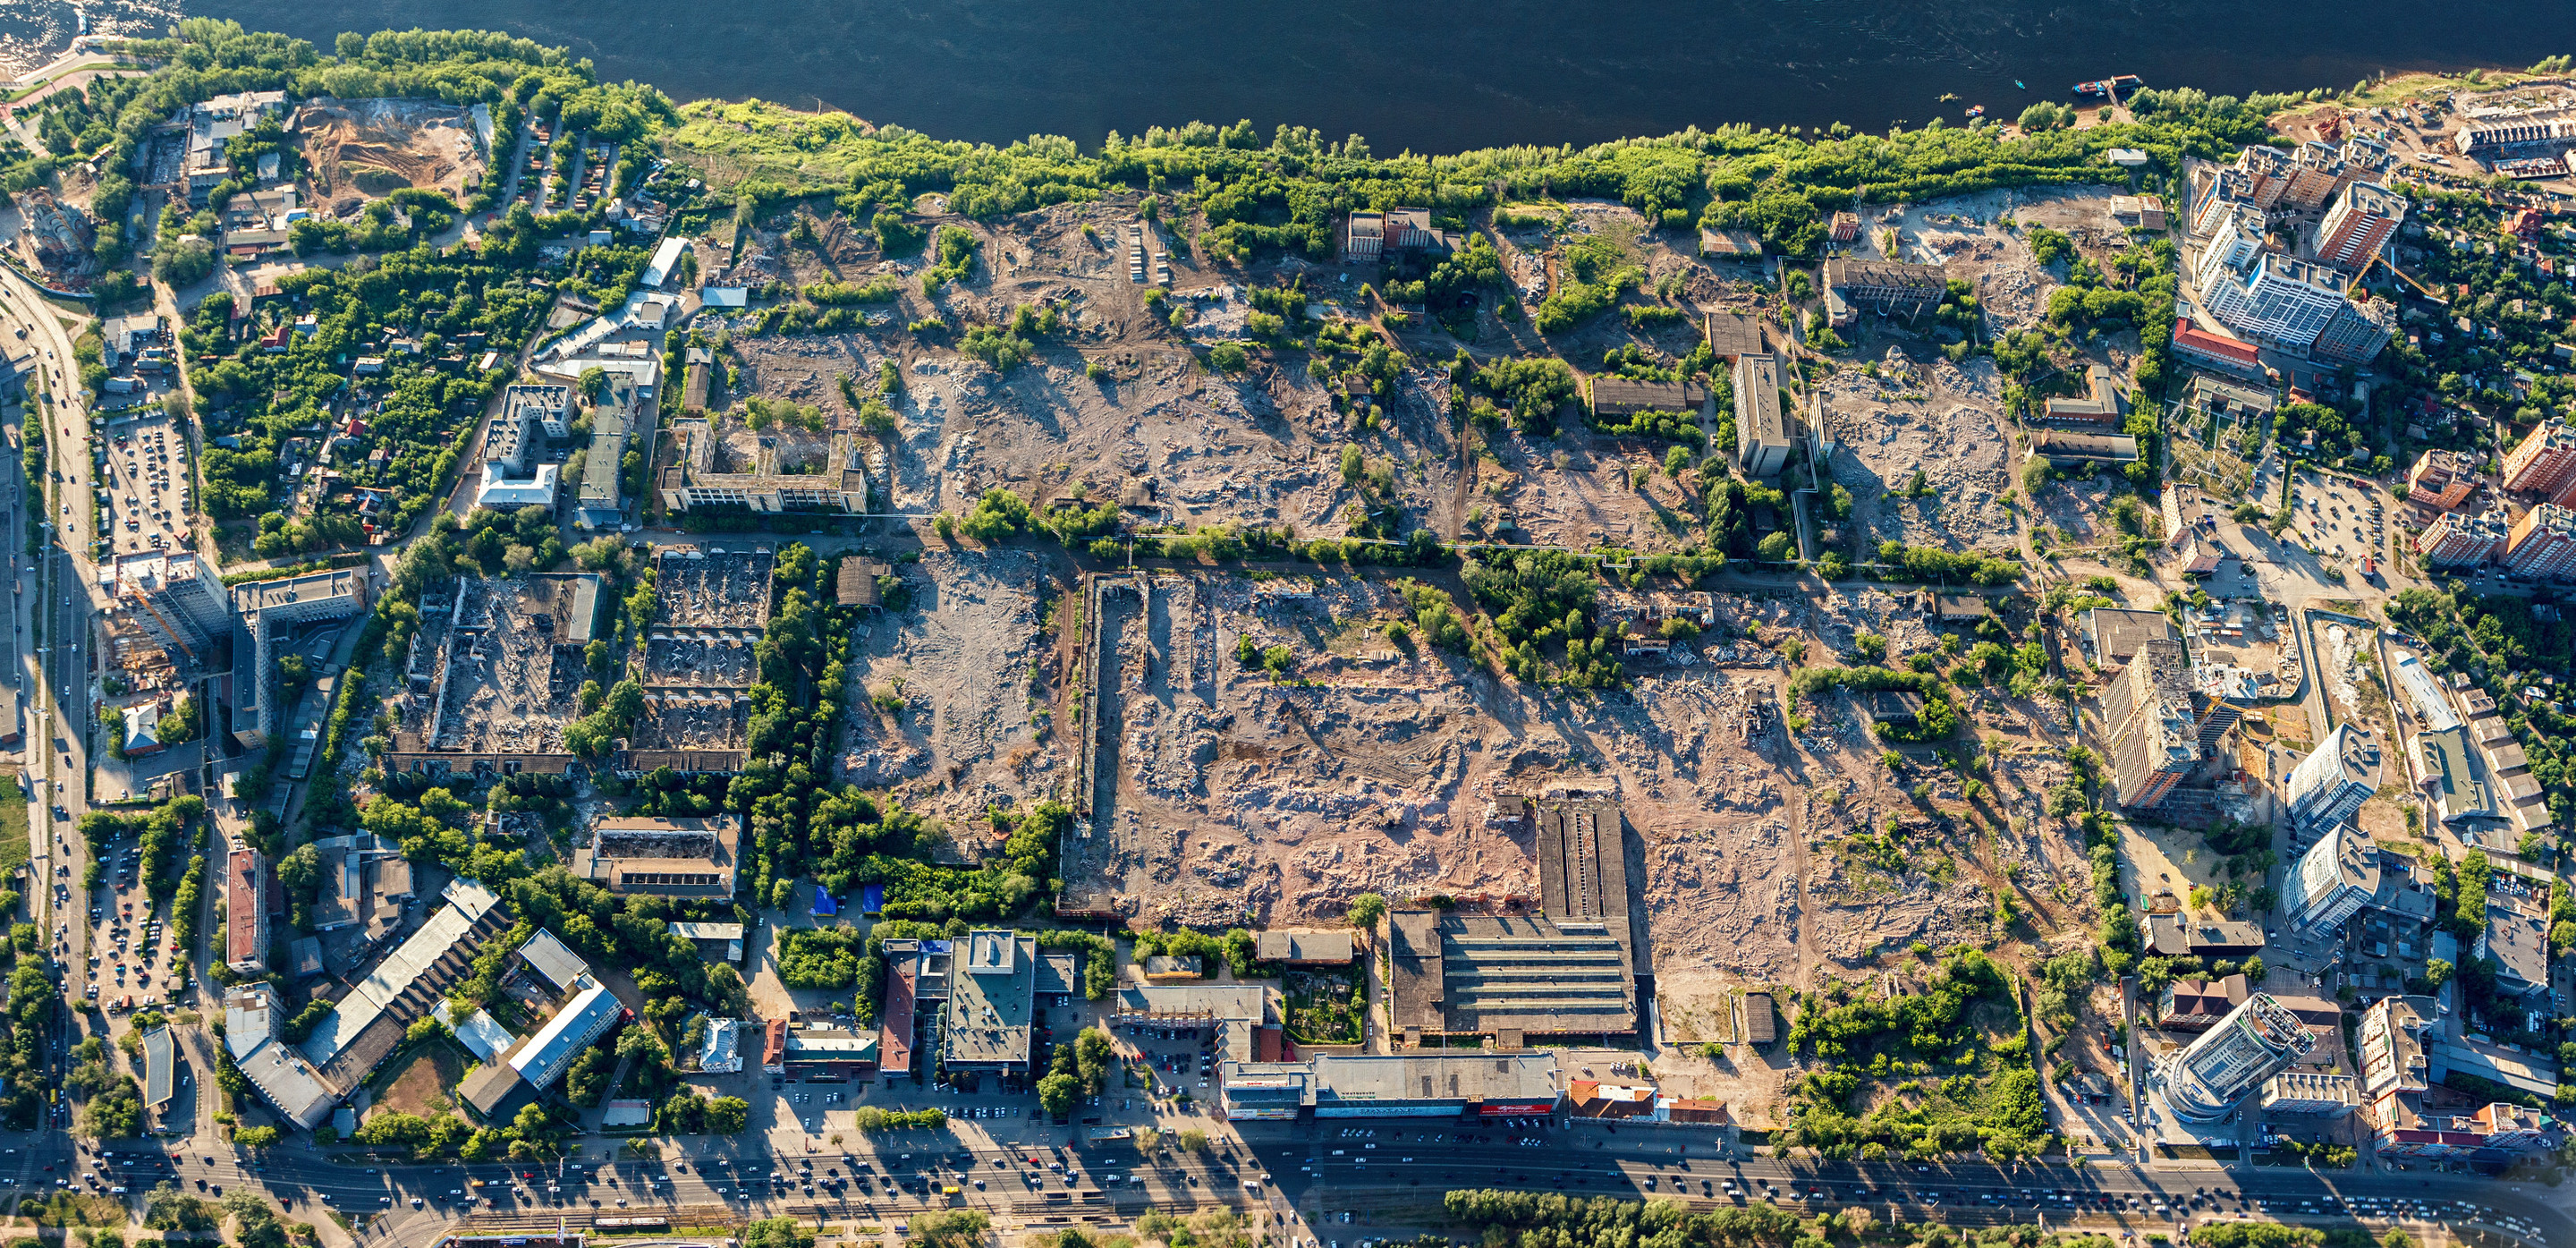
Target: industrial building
x=2331 y=882
x=1427 y=1084
x=1761 y=420
x=304 y=1081
x=1882 y=286
x=493 y=676
x=1615 y=398
x=1282 y=947
x=694 y=858
x=2098 y=410
x=702 y=477
x=1508 y=977
x=2202 y=1082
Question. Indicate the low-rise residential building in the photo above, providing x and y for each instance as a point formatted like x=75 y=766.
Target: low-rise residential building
x=2198 y=1005
x=2441 y=479
x=246 y=912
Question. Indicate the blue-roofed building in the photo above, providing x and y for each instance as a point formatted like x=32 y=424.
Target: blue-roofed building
x=824 y=906
x=872 y=899
x=549 y=1053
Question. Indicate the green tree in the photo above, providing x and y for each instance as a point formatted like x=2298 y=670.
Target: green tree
x=1365 y=910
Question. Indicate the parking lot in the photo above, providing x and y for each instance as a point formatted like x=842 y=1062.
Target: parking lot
x=143 y=486
x=2339 y=518
x=1174 y=1059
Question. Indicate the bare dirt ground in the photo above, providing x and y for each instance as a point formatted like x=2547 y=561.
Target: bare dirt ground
x=1364 y=767
x=1937 y=419
x=423 y=1086
x=368 y=148
x=961 y=664
x=1229 y=794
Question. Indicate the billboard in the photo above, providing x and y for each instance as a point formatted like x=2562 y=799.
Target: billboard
x=1273 y=1113
x=1517 y=1109
x=1386 y=1109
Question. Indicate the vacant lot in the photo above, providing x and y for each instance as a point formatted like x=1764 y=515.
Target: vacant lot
x=425 y=1082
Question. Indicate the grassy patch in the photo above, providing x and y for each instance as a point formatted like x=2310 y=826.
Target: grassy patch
x=14 y=844
x=805 y=151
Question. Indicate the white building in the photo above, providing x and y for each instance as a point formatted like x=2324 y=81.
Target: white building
x=2203 y=1081
x=2332 y=881
x=2328 y=786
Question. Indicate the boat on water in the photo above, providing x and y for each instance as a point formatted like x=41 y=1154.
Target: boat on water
x=2110 y=88
x=2017 y=85
x=1976 y=111
x=1947 y=97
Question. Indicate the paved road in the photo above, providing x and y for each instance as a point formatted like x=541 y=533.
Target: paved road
x=1313 y=1170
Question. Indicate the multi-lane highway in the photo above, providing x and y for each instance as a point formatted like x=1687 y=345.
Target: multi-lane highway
x=1375 y=1174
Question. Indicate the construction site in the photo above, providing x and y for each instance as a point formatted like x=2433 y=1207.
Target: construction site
x=357 y=150
x=493 y=675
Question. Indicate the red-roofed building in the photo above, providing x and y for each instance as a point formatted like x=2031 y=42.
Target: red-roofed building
x=2524 y=224
x=246 y=912
x=773 y=1047
x=2194 y=345
x=1598 y=1100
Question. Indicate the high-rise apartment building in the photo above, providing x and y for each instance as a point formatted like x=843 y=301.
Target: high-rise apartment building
x=2328 y=786
x=2544 y=463
x=176 y=598
x=2278 y=301
x=2459 y=539
x=2542 y=543
x=2359 y=224
x=2332 y=881
x=2203 y=1081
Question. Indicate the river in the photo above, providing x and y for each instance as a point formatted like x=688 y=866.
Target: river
x=1437 y=75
